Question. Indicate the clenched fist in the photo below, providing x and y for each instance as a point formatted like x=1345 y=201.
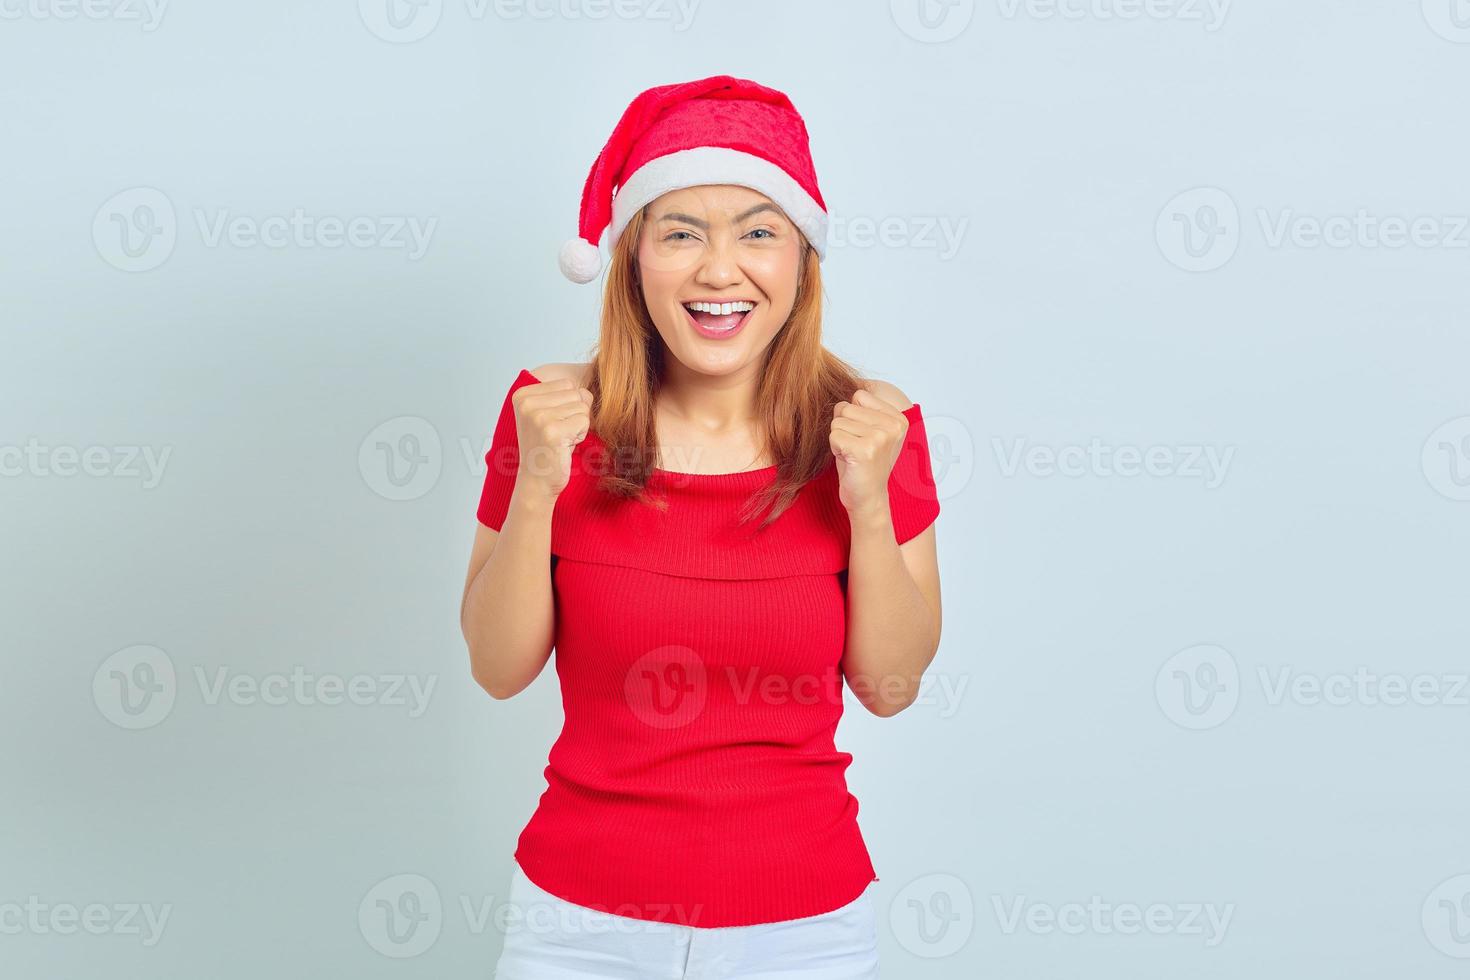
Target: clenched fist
x=552 y=418
x=867 y=434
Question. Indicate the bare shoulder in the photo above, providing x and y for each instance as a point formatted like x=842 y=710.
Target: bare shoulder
x=889 y=392
x=577 y=372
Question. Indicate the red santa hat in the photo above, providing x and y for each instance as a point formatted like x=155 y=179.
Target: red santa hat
x=717 y=130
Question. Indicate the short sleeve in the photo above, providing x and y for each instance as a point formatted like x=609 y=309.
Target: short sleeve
x=502 y=460
x=913 y=498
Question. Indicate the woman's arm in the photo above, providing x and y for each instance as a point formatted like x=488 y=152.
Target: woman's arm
x=508 y=611
x=894 y=613
x=507 y=615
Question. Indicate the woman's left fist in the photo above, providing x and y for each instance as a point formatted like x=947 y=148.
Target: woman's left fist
x=867 y=434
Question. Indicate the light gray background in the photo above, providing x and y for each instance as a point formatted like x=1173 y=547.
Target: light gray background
x=1076 y=746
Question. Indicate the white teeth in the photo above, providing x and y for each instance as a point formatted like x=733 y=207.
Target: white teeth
x=721 y=309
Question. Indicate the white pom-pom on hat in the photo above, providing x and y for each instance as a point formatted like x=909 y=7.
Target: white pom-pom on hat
x=579 y=259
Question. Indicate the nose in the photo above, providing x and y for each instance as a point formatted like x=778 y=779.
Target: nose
x=720 y=266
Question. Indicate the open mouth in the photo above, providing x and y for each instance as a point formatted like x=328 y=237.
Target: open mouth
x=722 y=319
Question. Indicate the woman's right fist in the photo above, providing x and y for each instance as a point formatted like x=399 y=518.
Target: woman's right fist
x=552 y=417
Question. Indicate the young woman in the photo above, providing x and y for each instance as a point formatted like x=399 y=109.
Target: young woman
x=716 y=523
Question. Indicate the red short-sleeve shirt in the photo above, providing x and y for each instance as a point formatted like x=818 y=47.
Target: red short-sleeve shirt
x=696 y=779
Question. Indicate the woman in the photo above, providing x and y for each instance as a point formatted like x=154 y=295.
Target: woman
x=735 y=524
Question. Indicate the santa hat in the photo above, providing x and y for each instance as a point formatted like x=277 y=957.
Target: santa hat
x=717 y=130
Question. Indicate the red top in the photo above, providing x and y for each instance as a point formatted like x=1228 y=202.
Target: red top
x=695 y=779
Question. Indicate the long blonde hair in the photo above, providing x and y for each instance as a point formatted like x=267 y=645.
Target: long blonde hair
x=800 y=384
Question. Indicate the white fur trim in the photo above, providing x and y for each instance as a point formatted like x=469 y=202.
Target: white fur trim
x=580 y=261
x=719 y=165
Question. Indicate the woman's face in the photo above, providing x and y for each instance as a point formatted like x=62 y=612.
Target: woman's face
x=718 y=243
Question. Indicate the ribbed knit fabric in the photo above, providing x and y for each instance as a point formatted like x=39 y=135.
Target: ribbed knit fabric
x=696 y=779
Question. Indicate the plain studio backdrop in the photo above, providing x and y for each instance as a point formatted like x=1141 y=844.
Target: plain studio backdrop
x=1179 y=287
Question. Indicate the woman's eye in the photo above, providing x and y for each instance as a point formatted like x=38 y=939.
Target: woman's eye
x=762 y=231
x=673 y=236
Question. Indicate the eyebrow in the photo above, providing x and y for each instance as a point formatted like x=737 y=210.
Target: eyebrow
x=701 y=223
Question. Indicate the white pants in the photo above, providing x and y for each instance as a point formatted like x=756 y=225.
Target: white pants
x=553 y=939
